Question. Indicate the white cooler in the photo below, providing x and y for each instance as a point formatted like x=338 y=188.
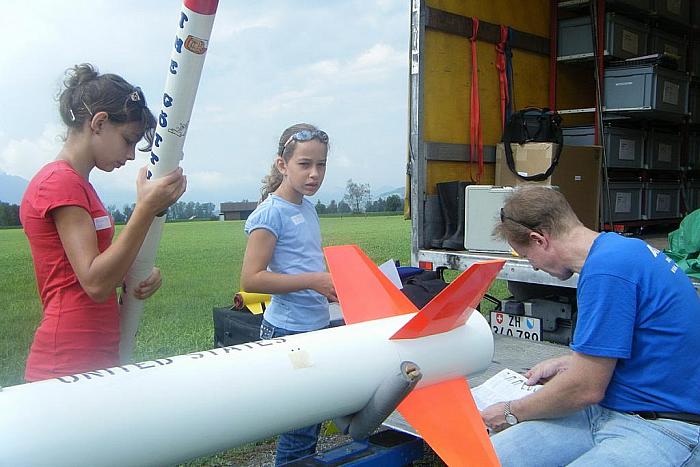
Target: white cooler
x=482 y=210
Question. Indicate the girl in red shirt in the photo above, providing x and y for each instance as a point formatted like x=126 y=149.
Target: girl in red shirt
x=77 y=266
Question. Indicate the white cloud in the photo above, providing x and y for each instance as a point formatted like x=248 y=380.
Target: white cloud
x=377 y=60
x=232 y=23
x=24 y=157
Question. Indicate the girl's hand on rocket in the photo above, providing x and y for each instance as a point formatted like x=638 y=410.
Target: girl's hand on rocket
x=323 y=284
x=158 y=194
x=149 y=286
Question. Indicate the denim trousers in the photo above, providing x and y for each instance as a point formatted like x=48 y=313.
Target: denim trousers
x=597 y=436
x=302 y=441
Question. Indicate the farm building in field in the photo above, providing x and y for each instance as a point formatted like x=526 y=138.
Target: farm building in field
x=237 y=211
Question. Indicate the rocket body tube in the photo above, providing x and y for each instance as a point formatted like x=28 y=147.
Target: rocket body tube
x=174 y=409
x=195 y=23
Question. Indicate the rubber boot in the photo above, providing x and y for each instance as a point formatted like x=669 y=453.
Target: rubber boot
x=456 y=240
x=447 y=192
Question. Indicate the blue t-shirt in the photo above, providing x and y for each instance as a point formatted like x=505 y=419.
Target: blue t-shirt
x=636 y=305
x=298 y=250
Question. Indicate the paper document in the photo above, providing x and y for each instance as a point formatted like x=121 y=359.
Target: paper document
x=507 y=385
x=390 y=271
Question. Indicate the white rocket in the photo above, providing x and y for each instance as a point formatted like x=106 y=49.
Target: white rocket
x=184 y=70
x=170 y=410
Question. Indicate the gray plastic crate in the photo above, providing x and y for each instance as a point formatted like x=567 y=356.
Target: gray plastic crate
x=663 y=201
x=624 y=147
x=663 y=150
x=579 y=135
x=624 y=38
x=646 y=88
x=625 y=201
x=669 y=44
x=675 y=10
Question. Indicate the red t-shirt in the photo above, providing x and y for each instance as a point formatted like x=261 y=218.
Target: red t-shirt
x=76 y=334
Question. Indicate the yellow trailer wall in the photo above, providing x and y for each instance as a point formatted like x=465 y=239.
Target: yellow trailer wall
x=447 y=79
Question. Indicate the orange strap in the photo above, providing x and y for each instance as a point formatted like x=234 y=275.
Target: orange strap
x=501 y=67
x=476 y=143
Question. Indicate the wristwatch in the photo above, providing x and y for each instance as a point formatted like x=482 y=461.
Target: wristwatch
x=510 y=418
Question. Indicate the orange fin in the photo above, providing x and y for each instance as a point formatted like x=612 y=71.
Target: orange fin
x=446 y=417
x=452 y=307
x=364 y=292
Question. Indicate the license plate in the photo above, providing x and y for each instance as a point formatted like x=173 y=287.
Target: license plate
x=522 y=327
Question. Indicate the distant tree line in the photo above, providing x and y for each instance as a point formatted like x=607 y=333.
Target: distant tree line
x=178 y=211
x=358 y=199
x=9 y=214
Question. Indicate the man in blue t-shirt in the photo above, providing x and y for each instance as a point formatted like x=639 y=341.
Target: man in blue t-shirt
x=627 y=394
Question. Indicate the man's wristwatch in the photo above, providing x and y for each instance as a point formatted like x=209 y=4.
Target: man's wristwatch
x=510 y=418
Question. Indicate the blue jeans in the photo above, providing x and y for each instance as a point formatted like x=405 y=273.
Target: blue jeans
x=302 y=441
x=597 y=436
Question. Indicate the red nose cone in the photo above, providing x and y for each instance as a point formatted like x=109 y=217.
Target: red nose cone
x=203 y=7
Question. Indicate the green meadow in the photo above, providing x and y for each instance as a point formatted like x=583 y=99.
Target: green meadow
x=200 y=263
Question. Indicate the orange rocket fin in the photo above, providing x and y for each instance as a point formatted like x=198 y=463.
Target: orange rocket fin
x=446 y=417
x=452 y=307
x=364 y=292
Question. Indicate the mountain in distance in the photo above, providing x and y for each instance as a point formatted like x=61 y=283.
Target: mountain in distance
x=12 y=188
x=400 y=191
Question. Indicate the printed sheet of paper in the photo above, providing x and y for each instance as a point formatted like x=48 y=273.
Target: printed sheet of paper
x=390 y=271
x=507 y=385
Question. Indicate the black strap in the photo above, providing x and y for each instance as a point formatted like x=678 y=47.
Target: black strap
x=680 y=416
x=558 y=140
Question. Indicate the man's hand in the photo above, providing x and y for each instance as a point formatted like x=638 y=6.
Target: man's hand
x=544 y=371
x=494 y=417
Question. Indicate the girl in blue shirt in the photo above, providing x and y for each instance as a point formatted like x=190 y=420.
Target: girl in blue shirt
x=284 y=257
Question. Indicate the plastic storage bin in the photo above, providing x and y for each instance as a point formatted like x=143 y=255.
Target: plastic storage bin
x=624 y=147
x=663 y=201
x=663 y=151
x=675 y=46
x=646 y=88
x=625 y=200
x=674 y=10
x=624 y=38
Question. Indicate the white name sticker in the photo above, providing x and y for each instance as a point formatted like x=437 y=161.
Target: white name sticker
x=297 y=219
x=102 y=223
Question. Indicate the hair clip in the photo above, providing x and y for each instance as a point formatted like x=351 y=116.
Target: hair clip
x=134 y=96
x=72 y=115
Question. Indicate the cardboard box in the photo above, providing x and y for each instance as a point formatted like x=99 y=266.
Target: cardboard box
x=577 y=175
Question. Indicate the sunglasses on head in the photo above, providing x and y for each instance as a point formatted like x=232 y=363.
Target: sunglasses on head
x=532 y=227
x=308 y=135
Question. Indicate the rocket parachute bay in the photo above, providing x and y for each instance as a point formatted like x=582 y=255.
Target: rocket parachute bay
x=169 y=410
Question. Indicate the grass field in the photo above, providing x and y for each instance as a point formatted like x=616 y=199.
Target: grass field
x=200 y=262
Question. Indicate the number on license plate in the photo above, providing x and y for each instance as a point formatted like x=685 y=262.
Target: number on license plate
x=523 y=327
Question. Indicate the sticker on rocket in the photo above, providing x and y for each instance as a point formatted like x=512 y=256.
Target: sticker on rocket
x=196 y=45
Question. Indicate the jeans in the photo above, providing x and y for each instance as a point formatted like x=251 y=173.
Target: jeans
x=302 y=441
x=597 y=436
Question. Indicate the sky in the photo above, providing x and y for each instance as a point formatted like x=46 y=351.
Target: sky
x=341 y=65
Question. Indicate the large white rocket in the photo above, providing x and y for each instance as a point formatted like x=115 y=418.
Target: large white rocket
x=190 y=44
x=169 y=410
